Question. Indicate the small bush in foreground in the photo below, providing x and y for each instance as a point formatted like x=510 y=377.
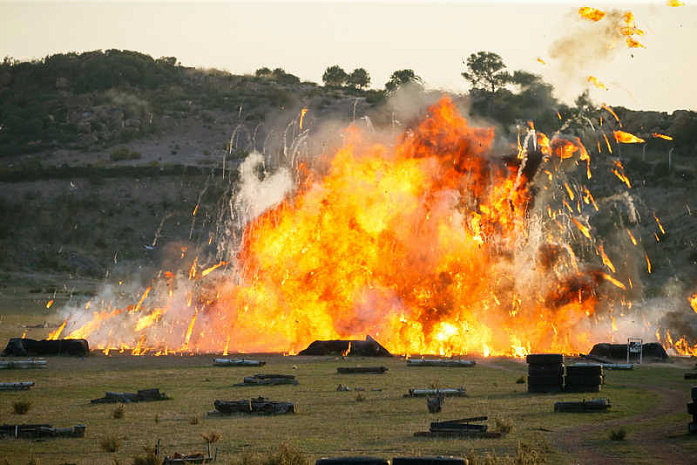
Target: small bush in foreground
x=212 y=436
x=285 y=455
x=21 y=407
x=520 y=380
x=503 y=425
x=119 y=412
x=618 y=434
x=110 y=443
x=149 y=457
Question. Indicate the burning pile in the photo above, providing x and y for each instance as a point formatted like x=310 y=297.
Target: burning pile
x=432 y=243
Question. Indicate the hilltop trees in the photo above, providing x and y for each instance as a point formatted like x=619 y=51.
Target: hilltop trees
x=335 y=76
x=402 y=78
x=485 y=70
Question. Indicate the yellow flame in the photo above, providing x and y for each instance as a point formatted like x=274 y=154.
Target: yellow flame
x=56 y=334
x=591 y=13
x=627 y=138
x=675 y=3
x=581 y=227
x=49 y=303
x=693 y=302
x=661 y=136
x=648 y=263
x=606 y=259
x=658 y=222
x=540 y=60
x=593 y=80
x=214 y=267
x=302 y=116
x=631 y=237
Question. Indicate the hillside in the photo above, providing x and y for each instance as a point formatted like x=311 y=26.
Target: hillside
x=105 y=155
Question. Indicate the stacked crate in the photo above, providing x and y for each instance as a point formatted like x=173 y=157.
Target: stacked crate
x=692 y=410
x=583 y=378
x=545 y=372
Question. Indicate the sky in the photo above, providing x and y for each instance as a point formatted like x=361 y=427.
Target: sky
x=433 y=38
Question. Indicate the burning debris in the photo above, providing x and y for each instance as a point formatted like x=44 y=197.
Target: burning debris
x=21 y=347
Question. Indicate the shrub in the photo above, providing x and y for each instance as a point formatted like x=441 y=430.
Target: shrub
x=194 y=420
x=618 y=434
x=503 y=425
x=122 y=153
x=149 y=457
x=21 y=407
x=119 y=412
x=110 y=443
x=360 y=397
x=520 y=380
x=212 y=436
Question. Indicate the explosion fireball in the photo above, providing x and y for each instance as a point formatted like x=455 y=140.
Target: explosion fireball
x=433 y=243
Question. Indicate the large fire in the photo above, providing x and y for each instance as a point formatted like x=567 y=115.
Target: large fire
x=432 y=243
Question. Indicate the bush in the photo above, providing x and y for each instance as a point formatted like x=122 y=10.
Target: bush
x=122 y=153
x=618 y=434
x=503 y=425
x=119 y=412
x=150 y=458
x=285 y=455
x=21 y=407
x=520 y=380
x=110 y=443
x=212 y=436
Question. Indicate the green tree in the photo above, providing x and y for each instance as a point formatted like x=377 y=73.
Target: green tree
x=334 y=76
x=280 y=76
x=358 y=79
x=402 y=78
x=263 y=72
x=485 y=70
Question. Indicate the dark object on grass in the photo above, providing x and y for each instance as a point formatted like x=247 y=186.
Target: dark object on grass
x=360 y=370
x=593 y=405
x=231 y=362
x=420 y=362
x=145 y=395
x=260 y=405
x=435 y=403
x=267 y=380
x=22 y=364
x=368 y=348
x=16 y=386
x=428 y=461
x=619 y=351
x=691 y=375
x=464 y=428
x=545 y=373
x=19 y=347
x=40 y=431
x=447 y=392
x=351 y=461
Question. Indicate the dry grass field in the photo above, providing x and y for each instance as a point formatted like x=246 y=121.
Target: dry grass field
x=648 y=403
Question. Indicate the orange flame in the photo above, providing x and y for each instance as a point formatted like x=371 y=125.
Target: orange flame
x=591 y=13
x=661 y=136
x=693 y=302
x=54 y=335
x=627 y=138
x=675 y=3
x=418 y=242
x=49 y=303
x=593 y=80
x=540 y=60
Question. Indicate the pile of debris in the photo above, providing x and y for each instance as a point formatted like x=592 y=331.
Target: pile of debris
x=41 y=431
x=232 y=362
x=267 y=380
x=368 y=348
x=464 y=428
x=593 y=405
x=20 y=347
x=16 y=386
x=144 y=395
x=22 y=364
x=447 y=392
x=259 y=405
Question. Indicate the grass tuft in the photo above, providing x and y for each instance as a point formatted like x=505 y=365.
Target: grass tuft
x=194 y=420
x=21 y=407
x=360 y=397
x=148 y=458
x=119 y=412
x=110 y=443
x=503 y=425
x=284 y=455
x=619 y=434
x=520 y=380
x=212 y=436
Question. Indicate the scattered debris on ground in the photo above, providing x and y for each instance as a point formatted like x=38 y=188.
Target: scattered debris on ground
x=22 y=364
x=231 y=362
x=267 y=380
x=144 y=395
x=447 y=392
x=359 y=370
x=420 y=362
x=41 y=431
x=592 y=405
x=259 y=405
x=16 y=386
x=20 y=347
x=464 y=428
